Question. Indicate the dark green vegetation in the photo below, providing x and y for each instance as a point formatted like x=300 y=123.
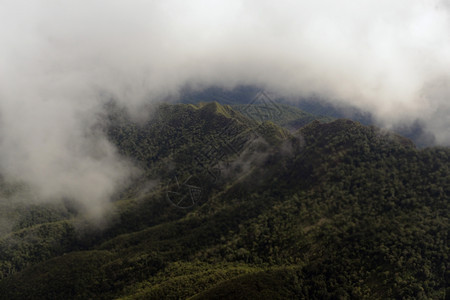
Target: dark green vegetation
x=313 y=106
x=334 y=210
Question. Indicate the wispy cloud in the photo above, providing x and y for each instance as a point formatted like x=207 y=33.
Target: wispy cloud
x=57 y=59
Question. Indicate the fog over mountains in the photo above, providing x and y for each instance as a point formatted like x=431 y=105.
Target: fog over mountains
x=224 y=149
x=61 y=60
x=229 y=207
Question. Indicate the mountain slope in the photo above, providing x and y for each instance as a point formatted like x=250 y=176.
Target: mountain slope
x=315 y=107
x=334 y=210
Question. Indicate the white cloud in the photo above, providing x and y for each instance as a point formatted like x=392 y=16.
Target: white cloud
x=389 y=57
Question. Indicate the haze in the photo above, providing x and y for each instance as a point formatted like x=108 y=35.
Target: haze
x=60 y=60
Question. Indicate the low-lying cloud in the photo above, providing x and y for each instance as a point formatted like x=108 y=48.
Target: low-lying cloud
x=59 y=58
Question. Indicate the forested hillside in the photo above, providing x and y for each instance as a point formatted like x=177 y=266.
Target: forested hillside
x=308 y=108
x=233 y=206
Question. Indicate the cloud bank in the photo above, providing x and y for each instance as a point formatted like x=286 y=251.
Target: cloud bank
x=58 y=59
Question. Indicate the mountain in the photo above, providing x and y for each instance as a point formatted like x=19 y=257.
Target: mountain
x=315 y=107
x=256 y=104
x=232 y=205
x=415 y=130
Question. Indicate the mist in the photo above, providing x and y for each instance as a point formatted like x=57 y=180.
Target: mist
x=60 y=60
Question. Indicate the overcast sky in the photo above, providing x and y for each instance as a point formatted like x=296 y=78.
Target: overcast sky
x=58 y=57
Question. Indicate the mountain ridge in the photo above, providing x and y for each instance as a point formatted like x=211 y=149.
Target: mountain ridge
x=331 y=210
